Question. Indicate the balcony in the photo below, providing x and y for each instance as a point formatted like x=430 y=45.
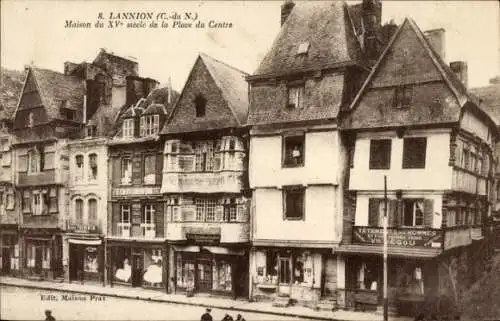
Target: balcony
x=203 y=232
x=123 y=229
x=206 y=182
x=92 y=227
x=42 y=178
x=148 y=230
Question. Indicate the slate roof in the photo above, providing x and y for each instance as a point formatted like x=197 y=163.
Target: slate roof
x=450 y=112
x=234 y=90
x=489 y=98
x=105 y=117
x=11 y=85
x=56 y=88
x=326 y=26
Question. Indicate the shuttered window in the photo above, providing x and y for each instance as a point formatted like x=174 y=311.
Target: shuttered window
x=293 y=201
x=79 y=210
x=380 y=153
x=376 y=212
x=414 y=152
x=413 y=212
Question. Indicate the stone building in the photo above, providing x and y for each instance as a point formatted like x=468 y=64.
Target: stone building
x=415 y=122
x=205 y=184
x=298 y=162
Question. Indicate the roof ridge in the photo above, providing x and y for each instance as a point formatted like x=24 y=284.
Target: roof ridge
x=224 y=63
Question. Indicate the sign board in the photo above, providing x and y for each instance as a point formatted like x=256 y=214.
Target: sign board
x=83 y=228
x=425 y=238
x=203 y=238
x=124 y=191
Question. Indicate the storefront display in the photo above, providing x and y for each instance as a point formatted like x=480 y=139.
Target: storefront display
x=121 y=265
x=9 y=254
x=153 y=268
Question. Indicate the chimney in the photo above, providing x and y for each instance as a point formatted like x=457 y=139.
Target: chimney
x=459 y=68
x=286 y=9
x=69 y=67
x=372 y=14
x=437 y=40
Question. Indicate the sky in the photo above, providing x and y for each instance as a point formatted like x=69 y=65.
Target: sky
x=33 y=32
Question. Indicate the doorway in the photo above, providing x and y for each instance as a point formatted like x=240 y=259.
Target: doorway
x=137 y=267
x=5 y=260
x=38 y=259
x=204 y=275
x=75 y=262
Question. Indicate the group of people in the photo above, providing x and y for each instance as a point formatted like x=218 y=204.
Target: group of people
x=208 y=317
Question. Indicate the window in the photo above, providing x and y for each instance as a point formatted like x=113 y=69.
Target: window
x=205 y=210
x=293 y=151
x=1 y=201
x=376 y=212
x=126 y=171
x=149 y=169
x=31 y=120
x=204 y=156
x=34 y=161
x=403 y=96
x=303 y=48
x=91 y=130
x=200 y=104
x=92 y=210
x=150 y=125
x=293 y=199
x=414 y=152
x=128 y=128
x=68 y=114
x=37 y=204
x=230 y=210
x=295 y=97
x=9 y=201
x=380 y=154
x=79 y=168
x=285 y=275
x=79 y=210
x=92 y=167
x=26 y=202
x=173 y=210
x=53 y=200
x=148 y=214
x=125 y=214
x=413 y=212
x=451 y=218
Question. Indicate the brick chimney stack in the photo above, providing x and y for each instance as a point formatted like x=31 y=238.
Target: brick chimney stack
x=461 y=71
x=372 y=16
x=436 y=38
x=286 y=9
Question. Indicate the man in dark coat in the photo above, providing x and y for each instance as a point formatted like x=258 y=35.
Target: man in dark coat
x=239 y=318
x=48 y=316
x=206 y=316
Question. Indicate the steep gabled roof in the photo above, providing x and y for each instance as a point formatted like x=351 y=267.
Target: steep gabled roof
x=328 y=29
x=489 y=98
x=58 y=90
x=229 y=82
x=444 y=73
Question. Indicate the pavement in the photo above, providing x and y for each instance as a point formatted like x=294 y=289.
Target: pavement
x=199 y=301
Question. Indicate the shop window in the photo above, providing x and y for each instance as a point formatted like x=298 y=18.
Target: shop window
x=403 y=96
x=222 y=279
x=271 y=266
x=92 y=204
x=79 y=210
x=380 y=153
x=122 y=268
x=126 y=178
x=205 y=209
x=128 y=128
x=293 y=200
x=293 y=151
x=26 y=201
x=413 y=212
x=78 y=168
x=285 y=267
x=200 y=104
x=368 y=276
x=295 y=97
x=150 y=169
x=414 y=152
x=412 y=281
x=153 y=271
x=93 y=167
x=90 y=263
x=185 y=272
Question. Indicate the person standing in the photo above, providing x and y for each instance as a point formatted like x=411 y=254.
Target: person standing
x=206 y=316
x=48 y=316
x=240 y=318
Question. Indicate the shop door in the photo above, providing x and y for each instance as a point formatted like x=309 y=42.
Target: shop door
x=38 y=259
x=137 y=262
x=204 y=276
x=5 y=260
x=75 y=263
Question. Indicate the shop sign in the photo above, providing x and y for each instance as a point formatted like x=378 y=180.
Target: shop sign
x=203 y=238
x=125 y=191
x=425 y=238
x=83 y=228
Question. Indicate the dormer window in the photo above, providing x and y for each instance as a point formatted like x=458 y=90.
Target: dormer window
x=402 y=96
x=128 y=128
x=295 y=97
x=91 y=130
x=150 y=125
x=200 y=105
x=303 y=48
x=31 y=120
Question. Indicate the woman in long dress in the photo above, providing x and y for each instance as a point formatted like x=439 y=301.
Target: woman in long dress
x=124 y=273
x=153 y=273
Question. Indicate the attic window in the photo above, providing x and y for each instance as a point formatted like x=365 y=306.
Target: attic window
x=68 y=114
x=91 y=130
x=303 y=48
x=295 y=96
x=402 y=96
x=200 y=105
x=128 y=128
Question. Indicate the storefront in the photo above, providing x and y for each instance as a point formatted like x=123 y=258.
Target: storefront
x=86 y=259
x=297 y=274
x=9 y=250
x=137 y=264
x=210 y=269
x=42 y=253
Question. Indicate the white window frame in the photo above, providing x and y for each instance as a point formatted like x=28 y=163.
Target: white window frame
x=414 y=212
x=295 y=96
x=128 y=128
x=33 y=161
x=147 y=223
x=37 y=207
x=124 y=225
x=79 y=171
x=76 y=209
x=206 y=210
x=150 y=125
x=126 y=179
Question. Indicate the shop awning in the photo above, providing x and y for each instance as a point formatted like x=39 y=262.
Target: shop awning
x=188 y=248
x=223 y=250
x=392 y=251
x=85 y=242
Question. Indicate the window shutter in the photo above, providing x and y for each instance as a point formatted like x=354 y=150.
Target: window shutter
x=159 y=169
x=116 y=170
x=428 y=212
x=136 y=170
x=115 y=218
x=23 y=163
x=392 y=213
x=159 y=219
x=373 y=211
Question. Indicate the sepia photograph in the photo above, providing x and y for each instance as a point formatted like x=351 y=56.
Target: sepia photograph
x=333 y=160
